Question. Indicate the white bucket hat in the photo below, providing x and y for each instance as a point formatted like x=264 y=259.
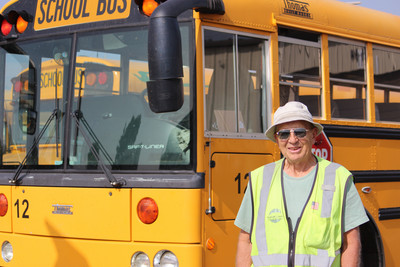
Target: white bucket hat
x=291 y=111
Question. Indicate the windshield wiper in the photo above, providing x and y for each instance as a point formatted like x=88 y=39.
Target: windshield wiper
x=15 y=180
x=78 y=117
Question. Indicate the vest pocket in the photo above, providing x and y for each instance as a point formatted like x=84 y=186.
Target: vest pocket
x=318 y=232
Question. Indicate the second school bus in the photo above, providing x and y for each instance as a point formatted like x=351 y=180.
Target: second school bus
x=99 y=168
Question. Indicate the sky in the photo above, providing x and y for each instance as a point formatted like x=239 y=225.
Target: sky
x=389 y=6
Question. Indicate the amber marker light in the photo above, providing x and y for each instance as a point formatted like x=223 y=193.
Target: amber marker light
x=210 y=243
x=21 y=24
x=91 y=79
x=147 y=210
x=149 y=6
x=3 y=205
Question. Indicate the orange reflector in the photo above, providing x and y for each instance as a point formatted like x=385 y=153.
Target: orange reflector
x=149 y=6
x=210 y=243
x=21 y=24
x=5 y=27
x=147 y=210
x=91 y=79
x=3 y=205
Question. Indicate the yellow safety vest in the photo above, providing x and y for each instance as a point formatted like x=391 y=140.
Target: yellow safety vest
x=317 y=238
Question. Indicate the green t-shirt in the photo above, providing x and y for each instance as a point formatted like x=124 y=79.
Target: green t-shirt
x=297 y=191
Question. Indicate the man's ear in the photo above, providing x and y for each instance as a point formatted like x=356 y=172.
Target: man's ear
x=314 y=132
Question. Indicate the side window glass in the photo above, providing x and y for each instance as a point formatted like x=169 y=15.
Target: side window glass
x=234 y=83
x=220 y=90
x=347 y=80
x=299 y=70
x=251 y=84
x=387 y=84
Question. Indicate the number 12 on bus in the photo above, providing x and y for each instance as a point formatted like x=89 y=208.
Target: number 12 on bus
x=130 y=127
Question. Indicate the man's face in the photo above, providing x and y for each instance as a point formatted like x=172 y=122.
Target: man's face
x=297 y=149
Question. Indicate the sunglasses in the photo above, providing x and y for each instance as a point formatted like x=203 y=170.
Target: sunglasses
x=298 y=132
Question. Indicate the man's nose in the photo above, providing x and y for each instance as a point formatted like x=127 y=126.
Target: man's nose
x=293 y=137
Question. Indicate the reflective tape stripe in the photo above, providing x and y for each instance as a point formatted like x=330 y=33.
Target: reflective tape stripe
x=267 y=260
x=328 y=189
x=261 y=237
x=322 y=259
x=263 y=258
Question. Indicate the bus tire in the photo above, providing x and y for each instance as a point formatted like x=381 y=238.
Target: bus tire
x=372 y=254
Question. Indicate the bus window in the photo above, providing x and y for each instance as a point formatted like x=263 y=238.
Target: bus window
x=112 y=117
x=299 y=69
x=234 y=83
x=34 y=101
x=387 y=83
x=347 y=80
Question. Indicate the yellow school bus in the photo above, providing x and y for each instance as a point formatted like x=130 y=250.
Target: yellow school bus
x=129 y=127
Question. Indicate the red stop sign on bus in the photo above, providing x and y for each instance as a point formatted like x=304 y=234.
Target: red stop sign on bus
x=323 y=147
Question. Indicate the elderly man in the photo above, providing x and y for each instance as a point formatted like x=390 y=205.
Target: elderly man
x=300 y=210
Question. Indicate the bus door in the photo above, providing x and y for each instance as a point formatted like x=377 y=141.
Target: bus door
x=235 y=89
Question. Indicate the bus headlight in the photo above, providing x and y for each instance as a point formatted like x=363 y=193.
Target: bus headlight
x=165 y=258
x=7 y=251
x=140 y=259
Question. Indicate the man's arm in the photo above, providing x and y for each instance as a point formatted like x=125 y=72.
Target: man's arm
x=351 y=250
x=243 y=254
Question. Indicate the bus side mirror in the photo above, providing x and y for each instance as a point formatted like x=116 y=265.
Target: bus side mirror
x=27 y=120
x=165 y=88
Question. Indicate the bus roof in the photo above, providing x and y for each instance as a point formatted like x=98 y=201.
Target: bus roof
x=325 y=16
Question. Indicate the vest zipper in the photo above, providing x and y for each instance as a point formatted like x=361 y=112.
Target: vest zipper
x=291 y=243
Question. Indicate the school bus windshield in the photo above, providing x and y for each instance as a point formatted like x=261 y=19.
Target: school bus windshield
x=100 y=93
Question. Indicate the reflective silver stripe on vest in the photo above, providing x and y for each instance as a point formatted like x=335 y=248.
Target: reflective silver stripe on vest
x=263 y=259
x=321 y=259
x=267 y=260
x=328 y=189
